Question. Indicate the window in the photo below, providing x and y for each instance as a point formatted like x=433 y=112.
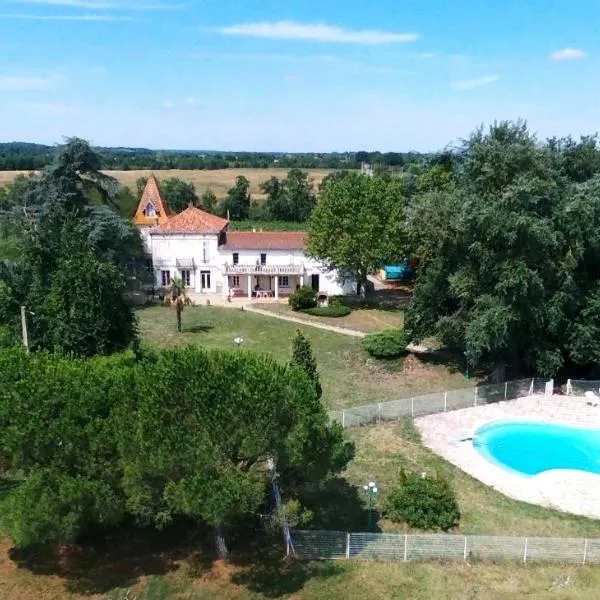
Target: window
x=205 y=251
x=166 y=278
x=236 y=258
x=150 y=210
x=235 y=281
x=284 y=281
x=263 y=259
x=186 y=277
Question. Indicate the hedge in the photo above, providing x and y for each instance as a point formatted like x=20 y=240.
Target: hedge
x=328 y=311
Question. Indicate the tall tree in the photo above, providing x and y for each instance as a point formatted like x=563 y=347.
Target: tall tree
x=178 y=193
x=510 y=258
x=208 y=201
x=303 y=357
x=237 y=202
x=58 y=224
x=358 y=225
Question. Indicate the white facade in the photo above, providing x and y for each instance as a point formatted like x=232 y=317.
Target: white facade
x=209 y=264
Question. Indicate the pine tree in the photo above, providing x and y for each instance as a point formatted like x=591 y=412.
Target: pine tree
x=303 y=357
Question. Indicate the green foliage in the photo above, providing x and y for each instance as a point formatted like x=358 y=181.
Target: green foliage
x=237 y=202
x=389 y=343
x=303 y=357
x=332 y=311
x=208 y=201
x=358 y=225
x=510 y=256
x=178 y=194
x=76 y=259
x=291 y=199
x=182 y=432
x=423 y=502
x=302 y=298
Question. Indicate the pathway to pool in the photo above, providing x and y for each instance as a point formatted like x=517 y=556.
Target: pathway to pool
x=577 y=492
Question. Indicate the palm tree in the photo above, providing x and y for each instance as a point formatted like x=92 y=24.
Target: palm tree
x=177 y=298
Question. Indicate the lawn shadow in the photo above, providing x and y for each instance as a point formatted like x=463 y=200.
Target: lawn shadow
x=198 y=329
x=265 y=571
x=115 y=560
x=339 y=506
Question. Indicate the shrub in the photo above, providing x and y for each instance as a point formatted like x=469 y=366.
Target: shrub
x=423 y=502
x=303 y=297
x=336 y=301
x=328 y=311
x=386 y=344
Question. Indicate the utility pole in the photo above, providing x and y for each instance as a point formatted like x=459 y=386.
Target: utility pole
x=24 y=327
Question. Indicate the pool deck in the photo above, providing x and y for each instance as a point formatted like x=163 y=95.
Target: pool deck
x=572 y=491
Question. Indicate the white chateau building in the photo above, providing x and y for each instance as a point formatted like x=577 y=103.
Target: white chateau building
x=197 y=247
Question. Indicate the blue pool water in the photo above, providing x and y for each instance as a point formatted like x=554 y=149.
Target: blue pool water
x=530 y=448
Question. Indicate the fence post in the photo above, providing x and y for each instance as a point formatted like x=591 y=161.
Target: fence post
x=343 y=419
x=465 y=552
x=585 y=551
x=569 y=388
x=525 y=551
x=475 y=404
x=347 y=545
x=531 y=387
x=405 y=547
x=412 y=407
x=445 y=401
x=505 y=389
x=379 y=413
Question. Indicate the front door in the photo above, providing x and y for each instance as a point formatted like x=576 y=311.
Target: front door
x=314 y=282
x=205 y=281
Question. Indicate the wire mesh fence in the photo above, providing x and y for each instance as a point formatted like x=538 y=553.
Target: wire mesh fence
x=338 y=545
x=578 y=387
x=428 y=404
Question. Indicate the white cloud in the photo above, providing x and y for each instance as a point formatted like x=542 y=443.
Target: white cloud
x=469 y=84
x=568 y=54
x=19 y=83
x=291 y=30
x=191 y=101
x=168 y=104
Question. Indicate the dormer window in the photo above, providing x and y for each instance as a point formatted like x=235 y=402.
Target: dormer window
x=150 y=210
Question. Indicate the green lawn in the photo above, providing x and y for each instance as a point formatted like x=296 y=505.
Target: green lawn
x=383 y=449
x=349 y=377
x=360 y=319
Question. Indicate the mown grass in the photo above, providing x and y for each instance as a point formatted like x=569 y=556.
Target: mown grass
x=383 y=449
x=366 y=320
x=349 y=377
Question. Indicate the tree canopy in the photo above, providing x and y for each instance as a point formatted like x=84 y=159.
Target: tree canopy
x=291 y=199
x=184 y=432
x=237 y=202
x=358 y=225
x=510 y=259
x=76 y=258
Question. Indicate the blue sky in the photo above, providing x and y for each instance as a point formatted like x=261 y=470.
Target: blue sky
x=294 y=75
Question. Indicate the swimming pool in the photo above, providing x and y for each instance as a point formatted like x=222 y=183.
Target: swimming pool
x=530 y=448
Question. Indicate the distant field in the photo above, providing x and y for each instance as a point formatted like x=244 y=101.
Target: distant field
x=219 y=181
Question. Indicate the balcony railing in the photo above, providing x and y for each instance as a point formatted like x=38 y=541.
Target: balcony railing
x=264 y=269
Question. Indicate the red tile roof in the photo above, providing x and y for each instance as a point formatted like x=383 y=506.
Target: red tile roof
x=265 y=240
x=193 y=220
x=152 y=194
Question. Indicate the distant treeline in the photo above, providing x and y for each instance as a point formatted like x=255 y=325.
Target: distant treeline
x=21 y=156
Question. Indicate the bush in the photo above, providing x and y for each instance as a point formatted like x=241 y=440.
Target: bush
x=328 y=311
x=423 y=502
x=303 y=297
x=390 y=343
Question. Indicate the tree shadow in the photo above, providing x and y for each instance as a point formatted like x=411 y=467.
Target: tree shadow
x=339 y=506
x=265 y=571
x=115 y=559
x=198 y=329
